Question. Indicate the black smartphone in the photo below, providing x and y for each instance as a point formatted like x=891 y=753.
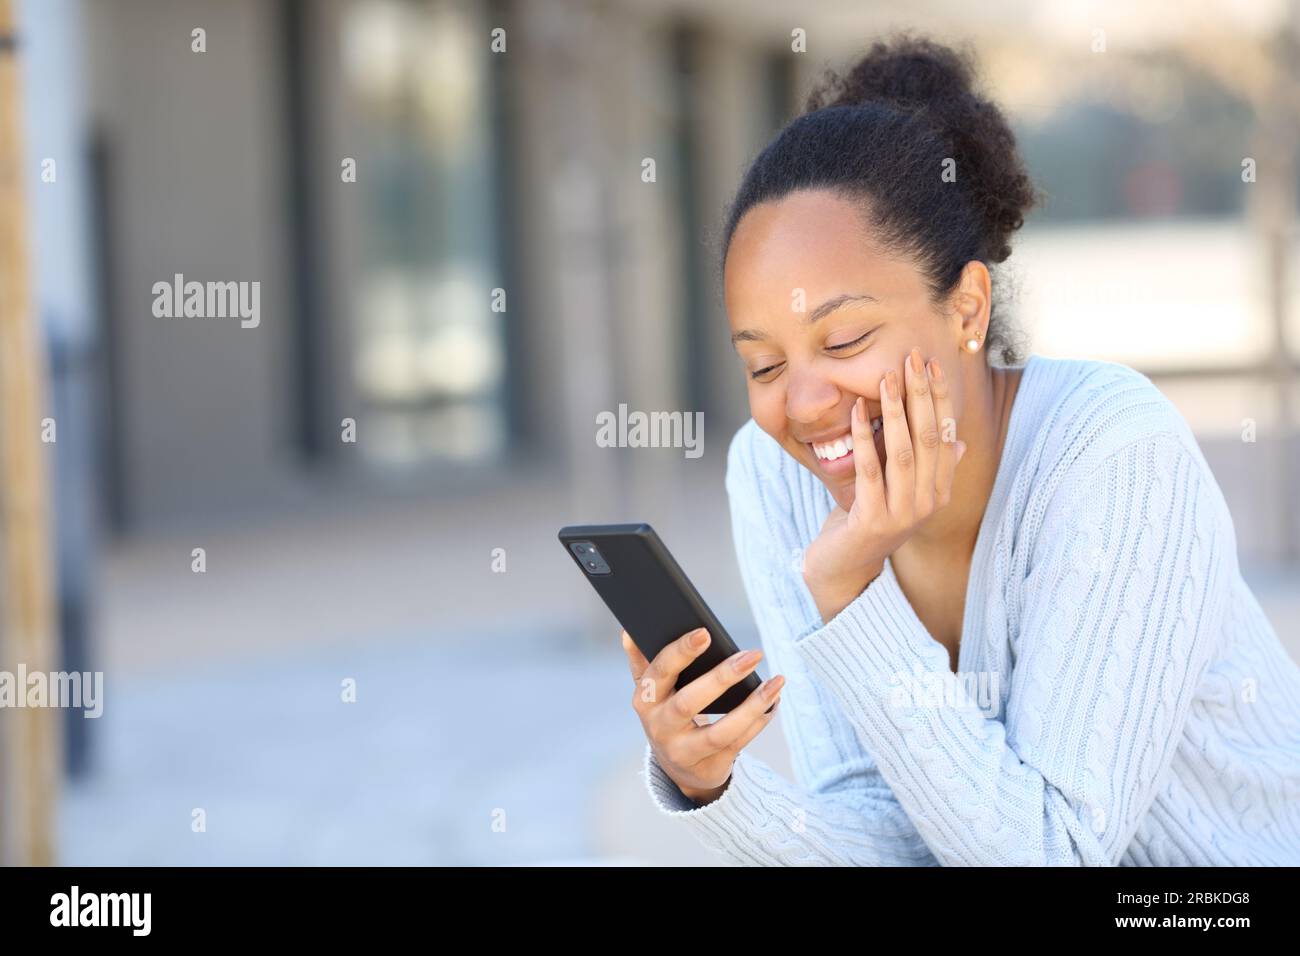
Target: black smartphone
x=652 y=599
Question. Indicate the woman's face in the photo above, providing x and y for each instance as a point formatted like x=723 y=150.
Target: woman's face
x=819 y=314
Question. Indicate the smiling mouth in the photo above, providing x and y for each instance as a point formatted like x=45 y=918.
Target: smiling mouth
x=838 y=448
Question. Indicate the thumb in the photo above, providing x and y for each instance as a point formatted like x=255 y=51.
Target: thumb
x=635 y=659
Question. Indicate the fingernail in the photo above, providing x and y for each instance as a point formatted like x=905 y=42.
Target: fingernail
x=961 y=449
x=884 y=388
x=700 y=638
x=916 y=360
x=893 y=384
x=935 y=370
x=743 y=660
x=772 y=686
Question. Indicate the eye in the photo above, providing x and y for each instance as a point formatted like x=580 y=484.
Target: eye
x=848 y=345
x=763 y=371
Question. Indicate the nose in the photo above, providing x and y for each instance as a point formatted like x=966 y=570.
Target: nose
x=809 y=397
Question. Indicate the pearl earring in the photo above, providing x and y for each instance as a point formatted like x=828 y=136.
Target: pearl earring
x=973 y=345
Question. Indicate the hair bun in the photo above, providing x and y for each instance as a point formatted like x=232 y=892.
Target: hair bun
x=907 y=73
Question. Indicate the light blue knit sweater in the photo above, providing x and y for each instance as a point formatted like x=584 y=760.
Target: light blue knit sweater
x=1127 y=701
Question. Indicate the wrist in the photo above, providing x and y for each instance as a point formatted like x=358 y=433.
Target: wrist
x=702 y=798
x=832 y=597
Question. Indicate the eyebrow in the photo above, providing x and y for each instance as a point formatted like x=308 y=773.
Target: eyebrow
x=823 y=310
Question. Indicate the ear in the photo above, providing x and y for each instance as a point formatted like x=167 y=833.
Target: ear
x=972 y=302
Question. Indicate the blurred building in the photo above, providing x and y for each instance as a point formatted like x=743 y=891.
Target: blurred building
x=470 y=301
x=500 y=270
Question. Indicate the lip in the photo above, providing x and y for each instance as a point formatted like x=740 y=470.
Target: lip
x=826 y=436
x=836 y=468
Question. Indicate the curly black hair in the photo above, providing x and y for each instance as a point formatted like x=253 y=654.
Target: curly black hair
x=882 y=136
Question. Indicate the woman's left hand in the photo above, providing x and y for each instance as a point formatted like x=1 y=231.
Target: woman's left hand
x=888 y=507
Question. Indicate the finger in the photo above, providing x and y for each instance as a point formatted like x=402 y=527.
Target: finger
x=635 y=659
x=947 y=423
x=925 y=433
x=736 y=729
x=900 y=463
x=658 y=680
x=705 y=689
x=869 y=487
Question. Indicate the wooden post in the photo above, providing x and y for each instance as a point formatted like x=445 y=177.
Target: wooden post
x=29 y=737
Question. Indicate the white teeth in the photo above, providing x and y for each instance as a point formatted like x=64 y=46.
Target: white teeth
x=830 y=451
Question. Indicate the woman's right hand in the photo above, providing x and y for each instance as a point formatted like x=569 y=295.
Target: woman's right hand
x=695 y=753
x=889 y=503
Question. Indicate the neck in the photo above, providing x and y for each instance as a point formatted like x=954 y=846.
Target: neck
x=987 y=397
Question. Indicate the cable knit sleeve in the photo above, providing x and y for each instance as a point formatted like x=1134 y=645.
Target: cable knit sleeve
x=841 y=812
x=1119 y=606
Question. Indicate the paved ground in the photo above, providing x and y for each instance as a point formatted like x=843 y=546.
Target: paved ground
x=449 y=755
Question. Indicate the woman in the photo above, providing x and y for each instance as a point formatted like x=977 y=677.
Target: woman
x=1044 y=656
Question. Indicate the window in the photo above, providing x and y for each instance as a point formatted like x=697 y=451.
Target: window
x=427 y=350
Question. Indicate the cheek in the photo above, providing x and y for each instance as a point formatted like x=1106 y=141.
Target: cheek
x=767 y=407
x=860 y=374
